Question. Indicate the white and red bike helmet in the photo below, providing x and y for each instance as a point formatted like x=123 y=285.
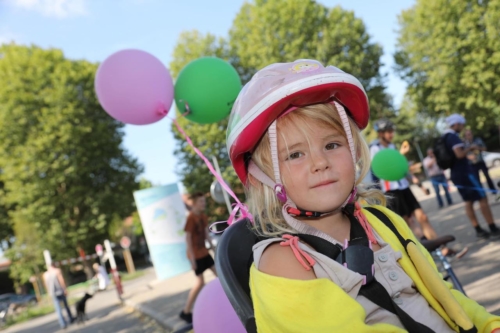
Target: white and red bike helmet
x=278 y=89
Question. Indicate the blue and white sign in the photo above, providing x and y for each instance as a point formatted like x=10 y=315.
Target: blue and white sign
x=163 y=216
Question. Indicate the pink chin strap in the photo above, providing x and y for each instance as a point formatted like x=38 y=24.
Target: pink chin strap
x=280 y=192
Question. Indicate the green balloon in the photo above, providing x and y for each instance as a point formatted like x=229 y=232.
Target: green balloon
x=209 y=86
x=389 y=164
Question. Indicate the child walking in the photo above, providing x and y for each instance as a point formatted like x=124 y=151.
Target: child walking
x=196 y=235
x=326 y=264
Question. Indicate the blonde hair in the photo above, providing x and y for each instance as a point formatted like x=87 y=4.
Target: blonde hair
x=262 y=201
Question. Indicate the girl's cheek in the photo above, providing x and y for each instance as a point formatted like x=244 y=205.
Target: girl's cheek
x=287 y=173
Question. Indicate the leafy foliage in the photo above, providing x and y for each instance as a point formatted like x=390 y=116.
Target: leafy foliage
x=449 y=54
x=64 y=169
x=266 y=32
x=130 y=226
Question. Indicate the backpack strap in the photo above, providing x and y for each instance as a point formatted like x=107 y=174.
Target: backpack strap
x=376 y=293
x=372 y=289
x=387 y=221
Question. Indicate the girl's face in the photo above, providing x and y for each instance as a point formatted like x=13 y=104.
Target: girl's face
x=316 y=166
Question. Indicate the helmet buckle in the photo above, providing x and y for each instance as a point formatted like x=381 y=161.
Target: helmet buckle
x=280 y=192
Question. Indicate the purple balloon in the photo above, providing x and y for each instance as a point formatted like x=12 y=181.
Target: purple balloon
x=213 y=313
x=134 y=87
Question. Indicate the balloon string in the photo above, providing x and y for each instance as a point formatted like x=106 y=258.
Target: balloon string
x=239 y=206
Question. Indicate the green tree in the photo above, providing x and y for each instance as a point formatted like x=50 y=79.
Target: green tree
x=416 y=127
x=270 y=31
x=6 y=227
x=62 y=161
x=118 y=226
x=449 y=54
x=26 y=254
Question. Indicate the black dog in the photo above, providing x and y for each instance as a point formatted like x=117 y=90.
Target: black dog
x=80 y=309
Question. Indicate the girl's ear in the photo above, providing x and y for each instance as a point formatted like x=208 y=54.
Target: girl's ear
x=253 y=181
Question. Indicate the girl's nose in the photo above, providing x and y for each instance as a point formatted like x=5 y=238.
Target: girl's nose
x=319 y=162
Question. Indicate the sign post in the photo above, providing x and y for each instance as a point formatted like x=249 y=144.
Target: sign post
x=125 y=244
x=47 y=257
x=114 y=271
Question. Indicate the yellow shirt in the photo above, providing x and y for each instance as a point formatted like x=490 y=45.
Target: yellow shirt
x=297 y=306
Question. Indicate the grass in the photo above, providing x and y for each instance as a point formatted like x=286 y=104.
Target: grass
x=45 y=306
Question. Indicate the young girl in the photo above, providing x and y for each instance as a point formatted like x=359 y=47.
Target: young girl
x=294 y=140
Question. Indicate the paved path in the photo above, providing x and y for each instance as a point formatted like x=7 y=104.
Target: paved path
x=165 y=299
x=105 y=312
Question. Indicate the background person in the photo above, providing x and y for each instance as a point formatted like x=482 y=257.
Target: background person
x=56 y=287
x=196 y=236
x=437 y=177
x=402 y=201
x=476 y=159
x=101 y=276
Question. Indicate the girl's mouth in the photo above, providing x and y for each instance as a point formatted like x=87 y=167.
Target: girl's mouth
x=324 y=183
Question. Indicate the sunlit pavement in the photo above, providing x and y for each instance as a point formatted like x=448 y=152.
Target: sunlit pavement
x=105 y=314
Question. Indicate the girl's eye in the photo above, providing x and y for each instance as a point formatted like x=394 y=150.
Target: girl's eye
x=294 y=156
x=332 y=145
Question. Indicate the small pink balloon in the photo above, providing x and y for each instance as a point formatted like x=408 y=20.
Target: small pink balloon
x=134 y=87
x=213 y=313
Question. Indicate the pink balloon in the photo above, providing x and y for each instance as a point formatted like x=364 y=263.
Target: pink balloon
x=134 y=87
x=213 y=313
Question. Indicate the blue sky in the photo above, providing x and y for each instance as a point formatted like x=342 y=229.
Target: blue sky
x=94 y=29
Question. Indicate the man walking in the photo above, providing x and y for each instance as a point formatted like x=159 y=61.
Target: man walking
x=56 y=287
x=437 y=177
x=464 y=177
